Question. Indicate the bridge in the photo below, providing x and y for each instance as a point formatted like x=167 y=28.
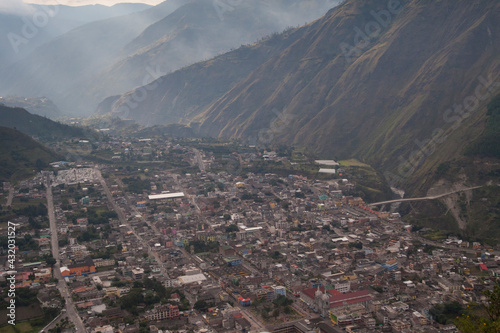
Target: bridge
x=422 y=198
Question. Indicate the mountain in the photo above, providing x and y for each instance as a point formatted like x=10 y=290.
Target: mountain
x=311 y=93
x=374 y=100
x=84 y=66
x=184 y=94
x=21 y=156
x=91 y=13
x=36 y=126
x=56 y=68
x=379 y=81
x=37 y=105
x=25 y=28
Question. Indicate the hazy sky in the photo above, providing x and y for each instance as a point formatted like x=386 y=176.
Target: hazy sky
x=86 y=2
x=22 y=7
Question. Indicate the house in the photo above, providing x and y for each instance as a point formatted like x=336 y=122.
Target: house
x=242 y=324
x=84 y=268
x=164 y=311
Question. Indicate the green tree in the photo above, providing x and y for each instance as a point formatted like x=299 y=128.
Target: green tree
x=232 y=228
x=473 y=322
x=50 y=260
x=201 y=305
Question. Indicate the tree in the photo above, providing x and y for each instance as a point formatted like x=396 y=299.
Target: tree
x=472 y=322
x=50 y=260
x=39 y=164
x=201 y=305
x=276 y=313
x=493 y=307
x=232 y=228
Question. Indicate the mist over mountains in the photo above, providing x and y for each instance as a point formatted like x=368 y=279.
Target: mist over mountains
x=377 y=80
x=80 y=68
x=26 y=26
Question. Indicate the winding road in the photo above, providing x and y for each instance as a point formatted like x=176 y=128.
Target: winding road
x=423 y=198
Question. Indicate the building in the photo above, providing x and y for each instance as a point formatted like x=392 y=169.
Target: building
x=226 y=250
x=138 y=273
x=84 y=268
x=270 y=292
x=323 y=300
x=112 y=291
x=279 y=290
x=244 y=301
x=162 y=312
x=104 y=262
x=343 y=287
x=232 y=261
x=195 y=278
x=166 y=196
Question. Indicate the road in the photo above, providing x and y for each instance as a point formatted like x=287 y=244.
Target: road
x=123 y=220
x=199 y=160
x=423 y=198
x=71 y=312
x=54 y=322
x=252 y=320
x=10 y=196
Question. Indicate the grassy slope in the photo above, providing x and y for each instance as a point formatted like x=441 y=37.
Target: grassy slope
x=19 y=154
x=369 y=183
x=36 y=126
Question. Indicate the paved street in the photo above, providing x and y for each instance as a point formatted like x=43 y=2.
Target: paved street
x=61 y=285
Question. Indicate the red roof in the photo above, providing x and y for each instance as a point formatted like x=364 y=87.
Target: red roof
x=483 y=267
x=334 y=292
x=80 y=289
x=311 y=292
x=350 y=298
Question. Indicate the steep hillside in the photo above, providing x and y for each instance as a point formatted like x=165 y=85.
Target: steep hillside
x=21 y=156
x=24 y=28
x=57 y=68
x=194 y=32
x=393 y=91
x=82 y=67
x=325 y=87
x=178 y=97
x=36 y=105
x=36 y=126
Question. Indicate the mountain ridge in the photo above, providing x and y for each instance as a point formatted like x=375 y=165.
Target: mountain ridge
x=21 y=156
